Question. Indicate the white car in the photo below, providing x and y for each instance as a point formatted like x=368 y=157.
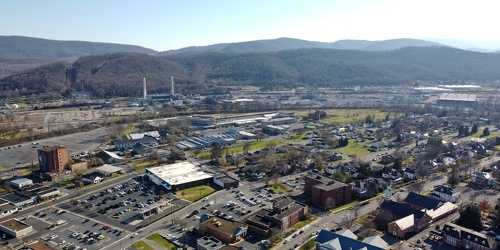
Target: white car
x=134 y=235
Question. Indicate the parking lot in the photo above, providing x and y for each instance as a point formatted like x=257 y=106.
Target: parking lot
x=67 y=230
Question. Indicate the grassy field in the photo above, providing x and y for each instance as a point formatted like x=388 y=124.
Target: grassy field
x=142 y=246
x=140 y=165
x=195 y=193
x=480 y=133
x=255 y=145
x=161 y=241
x=346 y=116
x=353 y=149
x=302 y=223
x=278 y=188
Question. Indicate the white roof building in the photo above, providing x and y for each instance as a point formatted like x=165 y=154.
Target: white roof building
x=179 y=175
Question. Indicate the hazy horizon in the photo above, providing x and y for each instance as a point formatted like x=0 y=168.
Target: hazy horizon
x=170 y=25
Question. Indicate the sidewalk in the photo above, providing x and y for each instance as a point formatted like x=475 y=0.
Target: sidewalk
x=153 y=244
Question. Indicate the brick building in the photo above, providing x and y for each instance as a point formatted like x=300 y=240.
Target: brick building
x=284 y=214
x=327 y=193
x=53 y=159
x=226 y=231
x=461 y=237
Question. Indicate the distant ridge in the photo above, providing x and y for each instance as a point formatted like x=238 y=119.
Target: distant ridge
x=274 y=45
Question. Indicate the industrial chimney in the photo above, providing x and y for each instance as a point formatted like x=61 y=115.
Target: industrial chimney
x=172 y=87
x=144 y=89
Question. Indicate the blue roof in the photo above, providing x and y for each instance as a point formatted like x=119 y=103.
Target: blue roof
x=326 y=237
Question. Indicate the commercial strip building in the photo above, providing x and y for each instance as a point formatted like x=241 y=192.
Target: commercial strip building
x=226 y=181
x=178 y=176
x=15 y=228
x=326 y=192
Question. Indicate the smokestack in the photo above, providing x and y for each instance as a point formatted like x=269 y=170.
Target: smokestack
x=144 y=89
x=172 y=87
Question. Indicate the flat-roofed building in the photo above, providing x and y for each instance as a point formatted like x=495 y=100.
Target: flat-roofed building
x=178 y=176
x=20 y=182
x=460 y=99
x=327 y=193
x=15 y=228
x=226 y=181
x=208 y=243
x=285 y=212
x=225 y=230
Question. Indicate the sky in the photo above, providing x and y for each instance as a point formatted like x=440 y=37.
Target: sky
x=166 y=24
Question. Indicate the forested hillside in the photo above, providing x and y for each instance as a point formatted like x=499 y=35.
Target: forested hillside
x=19 y=53
x=121 y=74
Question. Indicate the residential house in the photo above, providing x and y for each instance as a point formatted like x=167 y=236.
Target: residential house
x=92 y=178
x=387 y=159
x=410 y=173
x=445 y=193
x=483 y=179
x=108 y=157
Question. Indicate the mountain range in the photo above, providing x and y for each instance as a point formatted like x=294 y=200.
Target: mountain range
x=117 y=70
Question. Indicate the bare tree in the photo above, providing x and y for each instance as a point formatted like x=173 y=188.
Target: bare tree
x=329 y=203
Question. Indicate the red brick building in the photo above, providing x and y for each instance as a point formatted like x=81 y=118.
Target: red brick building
x=53 y=159
x=327 y=193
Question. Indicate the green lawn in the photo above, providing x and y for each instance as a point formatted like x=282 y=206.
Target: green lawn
x=310 y=244
x=480 y=133
x=161 y=241
x=302 y=223
x=255 y=145
x=278 y=188
x=194 y=193
x=353 y=149
x=298 y=138
x=141 y=245
x=346 y=116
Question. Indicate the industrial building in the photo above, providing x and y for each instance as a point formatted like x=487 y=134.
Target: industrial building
x=327 y=193
x=20 y=182
x=178 y=176
x=128 y=141
x=53 y=159
x=205 y=141
x=456 y=99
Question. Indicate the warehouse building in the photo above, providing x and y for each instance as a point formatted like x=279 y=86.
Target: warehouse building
x=178 y=176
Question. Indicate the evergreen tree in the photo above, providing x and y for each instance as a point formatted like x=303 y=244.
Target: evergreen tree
x=369 y=119
x=486 y=132
x=474 y=129
x=453 y=178
x=470 y=217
